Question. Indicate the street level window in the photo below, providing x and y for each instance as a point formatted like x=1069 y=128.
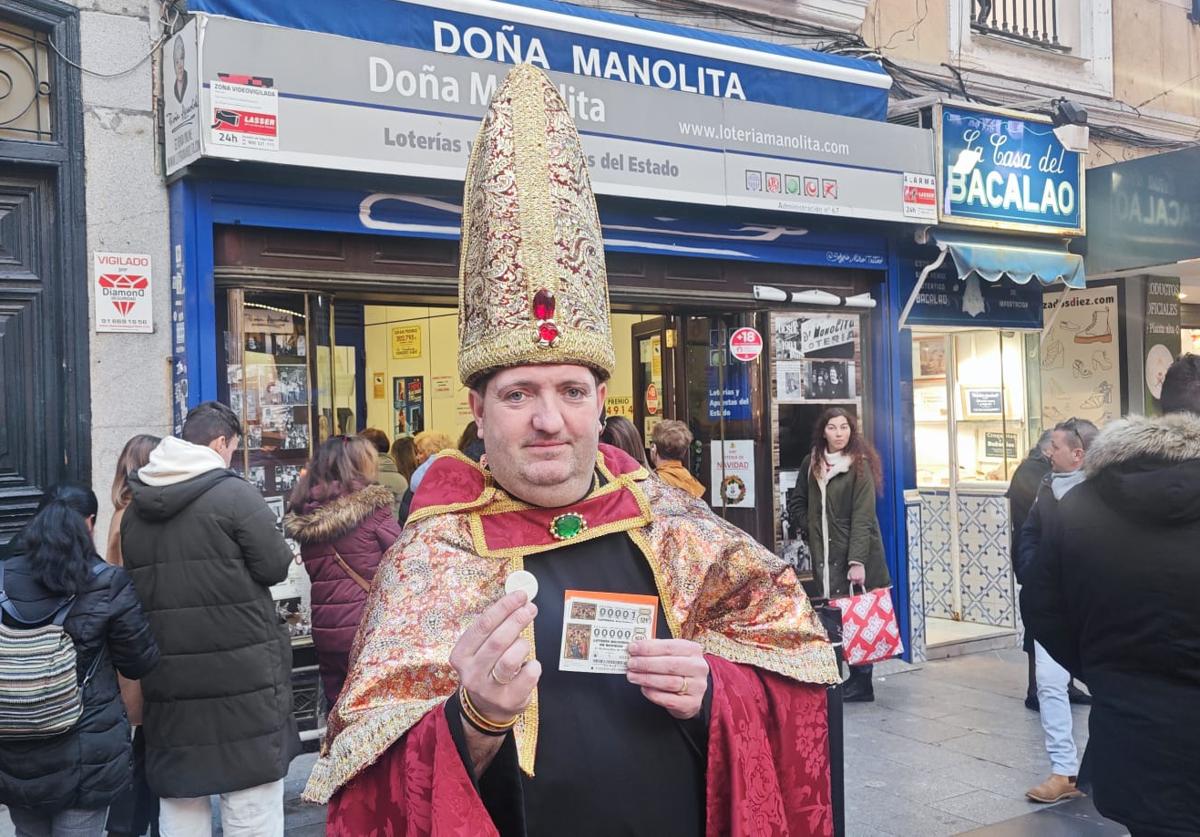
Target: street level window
x=26 y=86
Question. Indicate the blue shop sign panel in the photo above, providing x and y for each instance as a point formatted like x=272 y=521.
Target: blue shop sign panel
x=1006 y=171
x=947 y=300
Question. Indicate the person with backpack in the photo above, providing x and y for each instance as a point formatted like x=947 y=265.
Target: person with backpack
x=201 y=546
x=342 y=519
x=68 y=619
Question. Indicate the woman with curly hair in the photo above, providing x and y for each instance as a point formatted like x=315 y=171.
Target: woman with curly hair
x=834 y=511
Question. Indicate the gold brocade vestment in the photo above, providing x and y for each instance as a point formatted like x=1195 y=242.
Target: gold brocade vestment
x=717 y=586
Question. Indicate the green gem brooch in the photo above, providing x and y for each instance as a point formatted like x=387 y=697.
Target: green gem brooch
x=567 y=526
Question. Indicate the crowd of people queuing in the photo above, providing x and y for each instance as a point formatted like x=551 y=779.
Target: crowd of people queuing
x=185 y=670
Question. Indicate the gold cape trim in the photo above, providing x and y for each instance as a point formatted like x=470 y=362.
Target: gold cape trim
x=717 y=586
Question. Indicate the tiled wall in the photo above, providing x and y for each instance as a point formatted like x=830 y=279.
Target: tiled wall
x=916 y=583
x=935 y=549
x=988 y=590
x=987 y=578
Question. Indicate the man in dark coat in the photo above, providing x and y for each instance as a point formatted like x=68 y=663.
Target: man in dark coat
x=1022 y=491
x=1112 y=596
x=203 y=551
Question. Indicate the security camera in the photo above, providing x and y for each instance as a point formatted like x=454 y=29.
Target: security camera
x=1067 y=112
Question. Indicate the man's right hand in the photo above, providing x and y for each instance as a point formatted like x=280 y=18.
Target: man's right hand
x=491 y=659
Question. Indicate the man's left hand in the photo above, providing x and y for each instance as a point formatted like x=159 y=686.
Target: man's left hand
x=672 y=674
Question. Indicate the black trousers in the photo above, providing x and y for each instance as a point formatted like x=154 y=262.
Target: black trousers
x=135 y=810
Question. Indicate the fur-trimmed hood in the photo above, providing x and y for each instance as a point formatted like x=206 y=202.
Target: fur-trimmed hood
x=1150 y=466
x=1170 y=438
x=337 y=517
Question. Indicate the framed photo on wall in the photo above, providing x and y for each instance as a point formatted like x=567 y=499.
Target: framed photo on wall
x=931 y=358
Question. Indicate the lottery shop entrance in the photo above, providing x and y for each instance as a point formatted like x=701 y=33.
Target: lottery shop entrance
x=321 y=333
x=301 y=365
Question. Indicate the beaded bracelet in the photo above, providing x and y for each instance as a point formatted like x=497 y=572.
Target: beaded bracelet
x=477 y=720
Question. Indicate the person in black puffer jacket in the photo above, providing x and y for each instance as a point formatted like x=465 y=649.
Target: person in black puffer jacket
x=67 y=781
x=1111 y=594
x=201 y=546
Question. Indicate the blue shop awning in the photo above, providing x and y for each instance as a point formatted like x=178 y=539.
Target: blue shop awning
x=992 y=257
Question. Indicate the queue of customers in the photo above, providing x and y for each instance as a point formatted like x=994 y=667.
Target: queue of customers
x=180 y=670
x=180 y=665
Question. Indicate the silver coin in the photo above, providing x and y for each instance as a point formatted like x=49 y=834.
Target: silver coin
x=522 y=580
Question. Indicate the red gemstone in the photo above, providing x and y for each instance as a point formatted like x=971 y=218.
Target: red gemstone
x=543 y=305
x=547 y=333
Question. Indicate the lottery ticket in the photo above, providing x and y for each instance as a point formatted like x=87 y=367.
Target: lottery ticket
x=598 y=627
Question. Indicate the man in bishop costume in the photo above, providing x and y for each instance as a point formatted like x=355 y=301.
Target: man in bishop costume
x=464 y=711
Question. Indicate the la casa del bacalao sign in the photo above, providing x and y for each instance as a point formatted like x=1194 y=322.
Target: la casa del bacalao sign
x=1007 y=171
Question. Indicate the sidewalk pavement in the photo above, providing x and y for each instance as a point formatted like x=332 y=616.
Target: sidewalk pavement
x=948 y=748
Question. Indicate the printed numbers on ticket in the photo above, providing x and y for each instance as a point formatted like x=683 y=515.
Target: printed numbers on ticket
x=598 y=627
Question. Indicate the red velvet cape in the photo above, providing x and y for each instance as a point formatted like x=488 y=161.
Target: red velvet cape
x=768 y=769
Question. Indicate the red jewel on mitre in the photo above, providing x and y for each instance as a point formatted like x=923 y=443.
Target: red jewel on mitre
x=543 y=305
x=543 y=311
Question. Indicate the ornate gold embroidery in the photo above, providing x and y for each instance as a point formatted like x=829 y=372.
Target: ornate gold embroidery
x=530 y=223
x=716 y=585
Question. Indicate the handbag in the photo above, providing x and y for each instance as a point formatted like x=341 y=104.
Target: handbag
x=870 y=633
x=358 y=579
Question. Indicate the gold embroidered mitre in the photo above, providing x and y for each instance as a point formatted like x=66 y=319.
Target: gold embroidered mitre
x=532 y=283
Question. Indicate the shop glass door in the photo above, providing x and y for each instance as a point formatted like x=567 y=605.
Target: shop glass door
x=721 y=393
x=653 y=374
x=976 y=410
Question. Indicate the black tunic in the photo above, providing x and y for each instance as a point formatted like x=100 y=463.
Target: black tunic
x=609 y=762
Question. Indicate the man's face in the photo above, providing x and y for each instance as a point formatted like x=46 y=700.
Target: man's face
x=539 y=426
x=1066 y=454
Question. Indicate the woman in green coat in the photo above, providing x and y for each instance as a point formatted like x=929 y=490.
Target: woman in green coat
x=834 y=511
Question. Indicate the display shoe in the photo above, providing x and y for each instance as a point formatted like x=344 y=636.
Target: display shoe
x=1100 y=360
x=1080 y=371
x=1055 y=789
x=1099 y=330
x=1053 y=413
x=1056 y=391
x=1100 y=396
x=1053 y=358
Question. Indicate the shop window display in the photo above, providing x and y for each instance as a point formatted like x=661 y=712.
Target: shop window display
x=1081 y=356
x=273 y=362
x=976 y=404
x=816 y=362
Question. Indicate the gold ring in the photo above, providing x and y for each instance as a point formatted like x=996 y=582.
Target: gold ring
x=492 y=673
x=683 y=687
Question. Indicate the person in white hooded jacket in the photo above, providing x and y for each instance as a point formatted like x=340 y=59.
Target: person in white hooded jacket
x=201 y=546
